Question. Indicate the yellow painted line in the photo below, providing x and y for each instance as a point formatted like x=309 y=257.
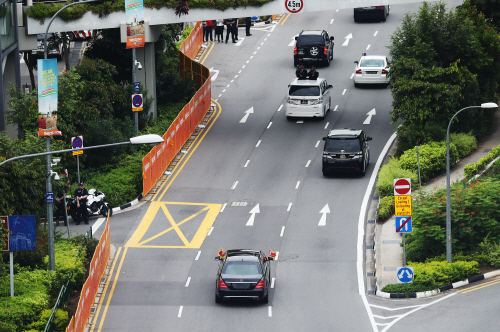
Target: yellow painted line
x=281 y=19
x=105 y=290
x=218 y=110
x=483 y=285
x=286 y=18
x=144 y=225
x=112 y=289
x=207 y=52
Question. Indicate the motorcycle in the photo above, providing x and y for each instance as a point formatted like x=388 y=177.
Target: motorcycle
x=96 y=204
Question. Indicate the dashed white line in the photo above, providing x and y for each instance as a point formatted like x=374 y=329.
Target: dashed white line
x=198 y=256
x=368 y=47
x=343 y=92
x=375 y=33
x=246 y=164
x=270 y=311
x=234 y=184
x=232 y=81
x=327 y=124
x=210 y=231
x=223 y=90
x=272 y=282
x=248 y=61
x=335 y=109
x=308 y=163
x=219 y=95
x=251 y=56
x=277 y=254
x=337 y=11
x=297 y=185
x=269 y=125
x=317 y=143
x=352 y=75
x=180 y=311
x=300 y=121
x=187 y=282
x=236 y=76
x=223 y=207
x=258 y=48
x=289 y=207
x=261 y=43
x=228 y=85
x=282 y=231
x=243 y=66
x=258 y=143
x=254 y=52
x=268 y=34
x=331 y=21
x=239 y=72
x=281 y=106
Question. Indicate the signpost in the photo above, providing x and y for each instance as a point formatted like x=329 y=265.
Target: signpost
x=77 y=143
x=294 y=6
x=137 y=86
x=402 y=206
x=137 y=102
x=5 y=224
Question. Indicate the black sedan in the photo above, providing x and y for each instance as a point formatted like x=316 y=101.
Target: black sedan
x=243 y=273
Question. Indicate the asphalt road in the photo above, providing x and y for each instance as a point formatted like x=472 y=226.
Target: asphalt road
x=166 y=269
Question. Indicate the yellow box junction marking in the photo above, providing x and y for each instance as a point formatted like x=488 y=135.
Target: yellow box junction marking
x=402 y=205
x=137 y=240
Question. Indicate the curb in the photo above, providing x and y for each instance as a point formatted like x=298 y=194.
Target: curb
x=129 y=204
x=454 y=285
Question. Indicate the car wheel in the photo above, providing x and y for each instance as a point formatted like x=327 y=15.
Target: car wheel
x=384 y=18
x=325 y=173
x=363 y=172
x=217 y=299
x=328 y=61
x=265 y=299
x=356 y=19
x=356 y=85
x=289 y=118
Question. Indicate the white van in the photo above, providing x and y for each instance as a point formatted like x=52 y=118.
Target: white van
x=308 y=98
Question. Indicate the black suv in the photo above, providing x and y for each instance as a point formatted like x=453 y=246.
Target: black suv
x=346 y=149
x=313 y=46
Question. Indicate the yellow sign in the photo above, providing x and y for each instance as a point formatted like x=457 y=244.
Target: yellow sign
x=137 y=109
x=77 y=152
x=402 y=205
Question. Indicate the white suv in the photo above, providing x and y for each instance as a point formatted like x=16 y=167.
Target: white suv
x=308 y=98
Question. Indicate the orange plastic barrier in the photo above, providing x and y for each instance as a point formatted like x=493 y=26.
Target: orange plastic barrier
x=71 y=326
x=147 y=181
x=192 y=44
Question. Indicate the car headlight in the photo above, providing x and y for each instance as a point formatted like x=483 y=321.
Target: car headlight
x=357 y=155
x=317 y=101
x=327 y=155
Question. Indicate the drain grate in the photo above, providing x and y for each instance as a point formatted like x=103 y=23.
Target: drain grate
x=239 y=203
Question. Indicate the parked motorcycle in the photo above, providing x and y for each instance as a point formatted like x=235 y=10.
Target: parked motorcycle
x=96 y=204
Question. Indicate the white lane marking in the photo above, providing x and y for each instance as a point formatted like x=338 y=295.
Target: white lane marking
x=251 y=56
x=375 y=33
x=265 y=39
x=308 y=162
x=331 y=21
x=253 y=211
x=188 y=281
x=269 y=125
x=248 y=61
x=258 y=48
x=219 y=95
x=239 y=72
x=281 y=106
x=369 y=118
x=254 y=52
x=223 y=207
x=246 y=164
x=300 y=121
x=292 y=43
x=361 y=232
x=268 y=34
x=272 y=282
x=343 y=92
x=243 y=66
x=317 y=144
x=223 y=90
x=235 y=76
x=240 y=40
x=227 y=86
x=352 y=75
x=97 y=224
x=234 y=184
x=210 y=231
x=258 y=143
x=282 y=231
x=180 y=311
x=368 y=47
x=277 y=254
x=232 y=81
x=214 y=76
x=261 y=43
x=247 y=113
x=327 y=124
x=198 y=256
x=324 y=211
x=289 y=207
x=347 y=38
x=216 y=99
x=270 y=311
x=297 y=185
x=337 y=11
x=335 y=109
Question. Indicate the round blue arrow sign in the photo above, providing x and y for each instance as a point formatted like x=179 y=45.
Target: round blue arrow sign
x=405 y=275
x=77 y=143
x=137 y=101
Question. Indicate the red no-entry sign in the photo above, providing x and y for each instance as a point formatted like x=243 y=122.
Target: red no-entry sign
x=402 y=187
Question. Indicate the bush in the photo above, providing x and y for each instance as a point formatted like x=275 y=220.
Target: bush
x=465 y=143
x=411 y=135
x=491 y=252
x=386 y=208
x=432 y=158
x=60 y=321
x=473 y=169
x=481 y=259
x=390 y=171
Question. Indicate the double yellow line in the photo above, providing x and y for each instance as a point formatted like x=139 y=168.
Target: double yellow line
x=482 y=285
x=283 y=19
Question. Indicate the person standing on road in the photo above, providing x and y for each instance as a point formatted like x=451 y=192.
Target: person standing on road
x=60 y=208
x=219 y=31
x=208 y=30
x=230 y=22
x=204 y=30
x=236 y=28
x=81 y=195
x=248 y=24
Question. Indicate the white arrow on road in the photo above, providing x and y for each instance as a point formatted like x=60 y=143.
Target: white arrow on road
x=324 y=211
x=216 y=73
x=253 y=211
x=370 y=114
x=292 y=43
x=346 y=42
x=240 y=40
x=247 y=112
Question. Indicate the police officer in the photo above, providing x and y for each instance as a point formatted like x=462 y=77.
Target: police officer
x=60 y=208
x=231 y=26
x=248 y=23
x=81 y=195
x=301 y=72
x=313 y=74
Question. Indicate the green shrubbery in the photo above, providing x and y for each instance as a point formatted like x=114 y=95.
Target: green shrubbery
x=390 y=171
x=60 y=321
x=473 y=169
x=465 y=144
x=385 y=208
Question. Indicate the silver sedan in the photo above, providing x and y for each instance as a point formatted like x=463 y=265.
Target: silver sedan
x=371 y=69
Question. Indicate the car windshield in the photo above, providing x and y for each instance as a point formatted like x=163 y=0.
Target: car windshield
x=307 y=40
x=301 y=90
x=372 y=63
x=346 y=144
x=241 y=268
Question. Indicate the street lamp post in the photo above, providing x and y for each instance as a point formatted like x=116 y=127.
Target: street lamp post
x=448 y=208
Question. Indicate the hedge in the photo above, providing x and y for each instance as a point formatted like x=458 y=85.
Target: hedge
x=386 y=208
x=473 y=169
x=465 y=143
x=390 y=171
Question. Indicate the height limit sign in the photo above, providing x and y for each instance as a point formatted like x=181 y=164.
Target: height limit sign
x=294 y=6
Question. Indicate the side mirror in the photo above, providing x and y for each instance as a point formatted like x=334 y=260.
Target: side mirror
x=288 y=85
x=296 y=38
x=368 y=138
x=324 y=138
x=329 y=86
x=356 y=62
x=331 y=38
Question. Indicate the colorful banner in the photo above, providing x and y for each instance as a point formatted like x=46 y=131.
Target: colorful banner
x=134 y=15
x=47 y=98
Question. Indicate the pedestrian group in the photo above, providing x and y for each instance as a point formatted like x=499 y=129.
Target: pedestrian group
x=231 y=25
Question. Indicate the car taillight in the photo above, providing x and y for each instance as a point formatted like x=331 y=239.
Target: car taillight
x=358 y=71
x=295 y=50
x=384 y=71
x=379 y=6
x=222 y=284
x=326 y=50
x=260 y=285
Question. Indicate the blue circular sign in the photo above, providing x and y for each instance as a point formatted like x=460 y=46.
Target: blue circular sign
x=137 y=101
x=255 y=18
x=77 y=143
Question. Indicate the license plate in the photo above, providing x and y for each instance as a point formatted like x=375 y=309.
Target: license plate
x=370 y=72
x=301 y=52
x=342 y=156
x=304 y=102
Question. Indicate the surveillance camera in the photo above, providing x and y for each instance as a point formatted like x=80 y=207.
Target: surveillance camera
x=139 y=66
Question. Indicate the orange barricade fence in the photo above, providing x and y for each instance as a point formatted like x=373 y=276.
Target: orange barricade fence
x=185 y=128
x=71 y=326
x=147 y=182
x=158 y=162
x=154 y=164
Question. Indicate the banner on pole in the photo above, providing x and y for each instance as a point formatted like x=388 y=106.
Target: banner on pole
x=47 y=98
x=134 y=15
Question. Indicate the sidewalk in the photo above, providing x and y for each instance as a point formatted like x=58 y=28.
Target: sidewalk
x=389 y=253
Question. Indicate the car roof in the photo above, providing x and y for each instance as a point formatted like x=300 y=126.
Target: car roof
x=312 y=32
x=344 y=133
x=242 y=255
x=307 y=81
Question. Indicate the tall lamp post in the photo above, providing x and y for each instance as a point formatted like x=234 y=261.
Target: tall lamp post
x=448 y=208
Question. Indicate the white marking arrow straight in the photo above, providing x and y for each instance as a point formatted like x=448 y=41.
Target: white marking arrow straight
x=240 y=40
x=215 y=73
x=346 y=42
x=253 y=211
x=247 y=112
x=370 y=114
x=292 y=43
x=324 y=211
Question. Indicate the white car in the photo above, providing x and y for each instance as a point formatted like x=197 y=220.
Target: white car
x=308 y=98
x=371 y=69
